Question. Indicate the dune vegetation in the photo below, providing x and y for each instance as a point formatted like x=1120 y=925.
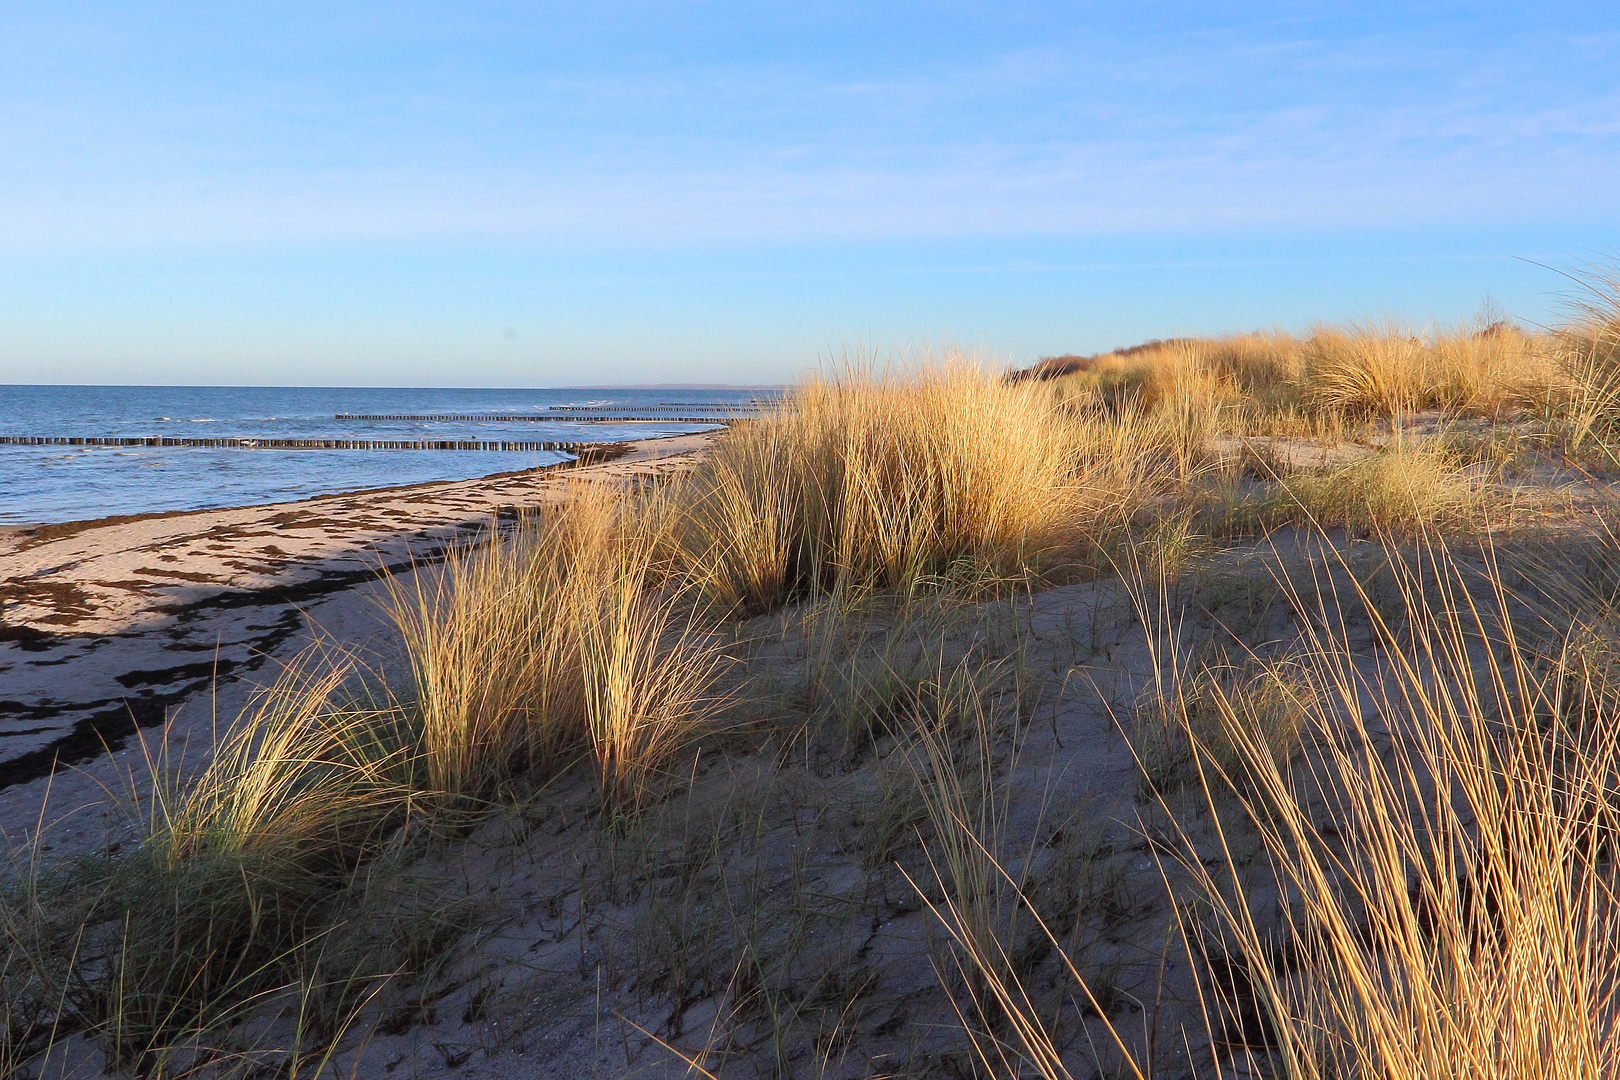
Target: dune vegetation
x=1227 y=707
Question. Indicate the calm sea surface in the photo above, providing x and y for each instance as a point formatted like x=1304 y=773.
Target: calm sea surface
x=41 y=484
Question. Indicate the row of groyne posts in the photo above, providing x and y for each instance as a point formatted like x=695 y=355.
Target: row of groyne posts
x=564 y=445
x=299 y=444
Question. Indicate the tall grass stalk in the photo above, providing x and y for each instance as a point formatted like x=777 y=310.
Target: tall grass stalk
x=1585 y=408
x=984 y=908
x=648 y=663
x=1448 y=902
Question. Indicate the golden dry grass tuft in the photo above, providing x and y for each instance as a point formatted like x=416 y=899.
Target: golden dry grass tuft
x=1352 y=372
x=304 y=775
x=1401 y=490
x=1388 y=369
x=559 y=639
x=1369 y=370
x=496 y=671
x=648 y=661
x=909 y=482
x=1451 y=897
x=152 y=951
x=1226 y=372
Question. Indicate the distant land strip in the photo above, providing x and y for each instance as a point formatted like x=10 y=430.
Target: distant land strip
x=571 y=419
x=717 y=407
x=300 y=444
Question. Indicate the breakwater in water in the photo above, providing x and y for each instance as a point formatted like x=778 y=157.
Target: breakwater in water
x=69 y=453
x=300 y=444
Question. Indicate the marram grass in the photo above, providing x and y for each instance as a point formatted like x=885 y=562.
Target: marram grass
x=561 y=640
x=936 y=476
x=1468 y=935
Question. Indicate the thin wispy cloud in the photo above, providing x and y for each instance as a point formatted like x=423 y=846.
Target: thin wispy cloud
x=1216 y=126
x=666 y=127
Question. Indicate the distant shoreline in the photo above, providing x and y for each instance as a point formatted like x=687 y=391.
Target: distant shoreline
x=379 y=386
x=41 y=531
x=110 y=625
x=80 y=453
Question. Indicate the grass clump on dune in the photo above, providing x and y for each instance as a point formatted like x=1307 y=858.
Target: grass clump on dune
x=1385 y=370
x=1368 y=371
x=1235 y=372
x=1353 y=372
x=234 y=880
x=1398 y=491
x=496 y=671
x=560 y=640
x=648 y=663
x=932 y=478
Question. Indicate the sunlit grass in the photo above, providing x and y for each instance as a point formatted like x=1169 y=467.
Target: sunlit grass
x=1447 y=853
x=561 y=640
x=1437 y=805
x=936 y=476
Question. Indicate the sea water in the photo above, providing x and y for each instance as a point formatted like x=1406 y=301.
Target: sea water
x=45 y=484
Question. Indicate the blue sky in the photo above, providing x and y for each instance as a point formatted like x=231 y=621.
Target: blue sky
x=528 y=194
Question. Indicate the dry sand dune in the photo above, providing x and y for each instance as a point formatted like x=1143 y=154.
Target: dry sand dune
x=1001 y=756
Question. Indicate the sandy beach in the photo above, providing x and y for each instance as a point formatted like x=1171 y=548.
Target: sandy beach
x=120 y=625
